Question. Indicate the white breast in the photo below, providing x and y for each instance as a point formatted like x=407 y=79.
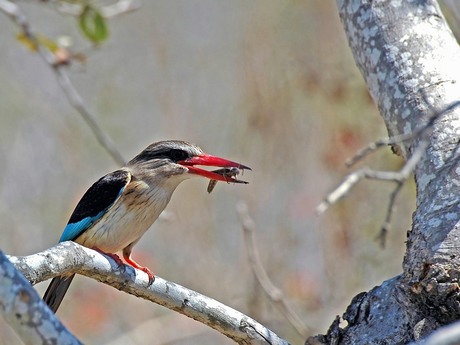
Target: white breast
x=128 y=219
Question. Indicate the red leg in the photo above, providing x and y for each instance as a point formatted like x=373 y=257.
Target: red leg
x=133 y=263
x=113 y=256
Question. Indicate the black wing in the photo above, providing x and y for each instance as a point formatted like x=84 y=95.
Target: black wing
x=95 y=203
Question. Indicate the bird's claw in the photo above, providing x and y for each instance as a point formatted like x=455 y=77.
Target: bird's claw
x=149 y=273
x=134 y=264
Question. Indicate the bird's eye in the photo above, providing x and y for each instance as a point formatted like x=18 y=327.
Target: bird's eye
x=177 y=155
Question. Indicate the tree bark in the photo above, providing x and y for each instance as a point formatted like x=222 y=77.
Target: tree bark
x=410 y=61
x=25 y=311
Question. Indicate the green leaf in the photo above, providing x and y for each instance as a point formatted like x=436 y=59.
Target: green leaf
x=93 y=24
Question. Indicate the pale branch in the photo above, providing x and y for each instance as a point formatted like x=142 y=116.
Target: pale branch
x=76 y=101
x=275 y=294
x=383 y=142
x=421 y=133
x=400 y=177
x=399 y=139
x=374 y=146
x=353 y=178
x=69 y=257
x=25 y=311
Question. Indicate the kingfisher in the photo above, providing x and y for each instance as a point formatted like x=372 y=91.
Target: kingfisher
x=120 y=207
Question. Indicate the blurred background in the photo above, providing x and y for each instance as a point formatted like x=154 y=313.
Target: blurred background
x=271 y=84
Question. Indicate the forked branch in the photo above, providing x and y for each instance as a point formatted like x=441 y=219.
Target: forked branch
x=420 y=136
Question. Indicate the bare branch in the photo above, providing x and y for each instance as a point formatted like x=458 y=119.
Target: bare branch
x=273 y=292
x=76 y=101
x=399 y=177
x=398 y=139
x=422 y=134
x=26 y=312
x=374 y=146
x=69 y=257
x=381 y=237
x=352 y=179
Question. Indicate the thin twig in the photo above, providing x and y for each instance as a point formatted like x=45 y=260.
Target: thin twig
x=352 y=179
x=76 y=101
x=397 y=139
x=399 y=177
x=273 y=292
x=374 y=146
x=381 y=237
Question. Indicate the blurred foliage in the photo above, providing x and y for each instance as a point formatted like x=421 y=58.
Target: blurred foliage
x=92 y=24
x=269 y=83
x=31 y=45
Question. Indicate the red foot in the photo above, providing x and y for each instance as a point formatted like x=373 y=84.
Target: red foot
x=142 y=268
x=149 y=273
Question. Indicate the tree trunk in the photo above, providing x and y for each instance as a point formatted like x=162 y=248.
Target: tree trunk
x=410 y=61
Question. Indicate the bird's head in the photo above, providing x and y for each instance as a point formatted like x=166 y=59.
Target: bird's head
x=178 y=160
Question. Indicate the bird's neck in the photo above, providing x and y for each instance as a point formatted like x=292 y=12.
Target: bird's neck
x=157 y=189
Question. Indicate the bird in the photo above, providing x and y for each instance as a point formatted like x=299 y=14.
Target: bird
x=121 y=206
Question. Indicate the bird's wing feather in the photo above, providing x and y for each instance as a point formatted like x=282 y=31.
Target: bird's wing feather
x=56 y=291
x=95 y=203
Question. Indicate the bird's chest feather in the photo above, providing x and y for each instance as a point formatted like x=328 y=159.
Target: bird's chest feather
x=127 y=219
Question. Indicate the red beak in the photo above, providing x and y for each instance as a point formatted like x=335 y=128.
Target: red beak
x=208 y=160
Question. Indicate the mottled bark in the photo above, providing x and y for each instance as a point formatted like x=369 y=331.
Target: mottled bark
x=410 y=61
x=25 y=311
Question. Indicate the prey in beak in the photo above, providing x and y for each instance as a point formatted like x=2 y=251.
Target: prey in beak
x=228 y=172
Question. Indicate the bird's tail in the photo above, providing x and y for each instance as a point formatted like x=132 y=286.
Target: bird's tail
x=56 y=291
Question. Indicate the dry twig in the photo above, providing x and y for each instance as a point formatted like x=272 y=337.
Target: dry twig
x=422 y=134
x=273 y=292
x=14 y=12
